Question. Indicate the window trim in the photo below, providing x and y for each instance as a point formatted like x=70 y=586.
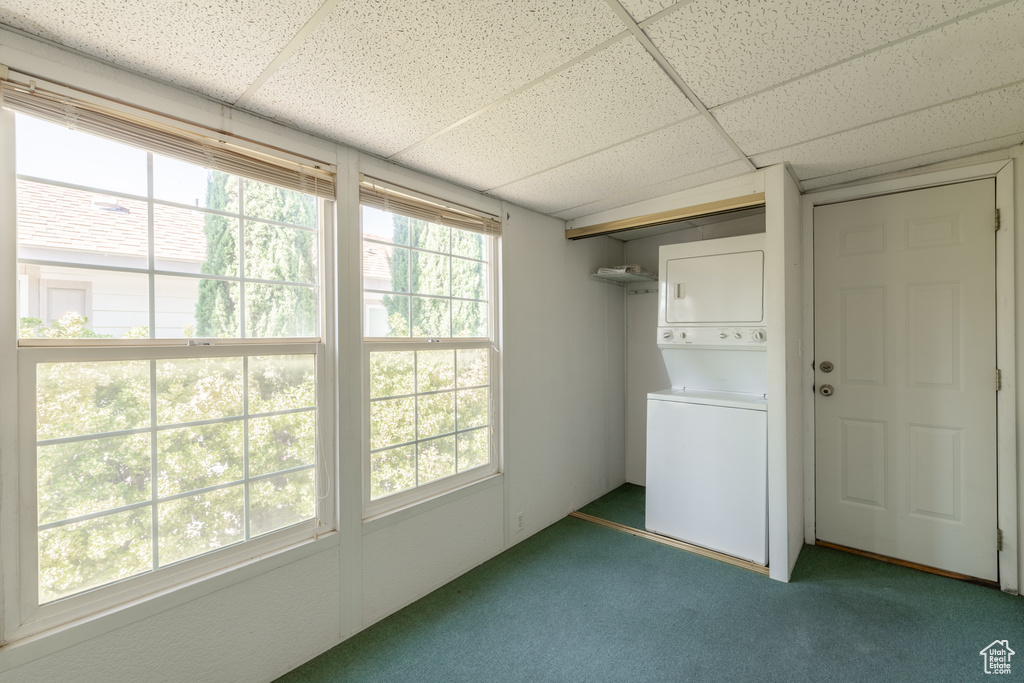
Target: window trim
x=375 y=509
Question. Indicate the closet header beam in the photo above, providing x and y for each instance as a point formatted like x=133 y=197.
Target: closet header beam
x=671 y=216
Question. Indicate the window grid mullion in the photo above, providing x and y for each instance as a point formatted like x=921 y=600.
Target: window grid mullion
x=241 y=260
x=416 y=414
x=154 y=465
x=151 y=245
x=245 y=445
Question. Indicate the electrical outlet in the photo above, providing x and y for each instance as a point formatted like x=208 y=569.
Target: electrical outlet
x=519 y=522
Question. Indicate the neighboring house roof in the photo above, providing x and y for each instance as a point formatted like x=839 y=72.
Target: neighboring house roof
x=375 y=260
x=54 y=217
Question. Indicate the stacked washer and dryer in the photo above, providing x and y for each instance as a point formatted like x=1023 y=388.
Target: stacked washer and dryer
x=707 y=465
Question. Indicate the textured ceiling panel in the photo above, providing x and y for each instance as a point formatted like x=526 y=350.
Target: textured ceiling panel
x=725 y=49
x=216 y=48
x=977 y=54
x=677 y=151
x=643 y=9
x=964 y=122
x=914 y=162
x=382 y=75
x=613 y=96
x=710 y=175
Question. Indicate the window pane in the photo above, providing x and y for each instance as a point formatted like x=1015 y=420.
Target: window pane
x=473 y=367
x=392 y=373
x=46 y=150
x=274 y=203
x=469 y=319
x=197 y=524
x=430 y=274
x=280 y=442
x=195 y=307
x=84 y=477
x=474 y=449
x=77 y=557
x=281 y=383
x=428 y=235
x=435 y=370
x=472 y=408
x=280 y=501
x=194 y=389
x=435 y=459
x=184 y=183
x=392 y=471
x=435 y=414
x=80 y=303
x=280 y=311
x=392 y=422
x=469 y=279
x=187 y=241
x=273 y=252
x=385 y=268
x=385 y=315
x=81 y=226
x=384 y=226
x=430 y=317
x=469 y=244
x=197 y=457
x=75 y=399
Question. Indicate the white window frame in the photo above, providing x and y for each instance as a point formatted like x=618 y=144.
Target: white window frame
x=382 y=506
x=21 y=614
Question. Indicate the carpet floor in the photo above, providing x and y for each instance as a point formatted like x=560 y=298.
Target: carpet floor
x=580 y=602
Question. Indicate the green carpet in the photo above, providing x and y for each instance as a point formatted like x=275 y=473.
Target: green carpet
x=625 y=505
x=580 y=602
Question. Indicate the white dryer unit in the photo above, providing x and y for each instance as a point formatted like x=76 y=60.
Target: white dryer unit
x=711 y=294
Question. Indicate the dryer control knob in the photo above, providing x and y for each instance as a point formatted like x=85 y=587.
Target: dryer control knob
x=738 y=335
x=667 y=334
x=760 y=335
x=722 y=335
x=682 y=335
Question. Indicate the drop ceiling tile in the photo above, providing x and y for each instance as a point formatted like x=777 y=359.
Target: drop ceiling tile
x=382 y=75
x=215 y=48
x=644 y=9
x=661 y=189
x=914 y=162
x=685 y=148
x=725 y=49
x=983 y=117
x=615 y=95
x=979 y=53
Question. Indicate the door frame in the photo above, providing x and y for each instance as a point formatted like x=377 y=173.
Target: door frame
x=1006 y=336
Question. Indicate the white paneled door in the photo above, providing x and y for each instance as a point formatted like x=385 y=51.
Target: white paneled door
x=905 y=441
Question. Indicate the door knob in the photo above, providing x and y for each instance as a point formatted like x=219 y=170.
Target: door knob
x=826 y=390
x=826 y=366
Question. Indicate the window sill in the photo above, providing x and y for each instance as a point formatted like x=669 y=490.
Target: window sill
x=418 y=507
x=39 y=645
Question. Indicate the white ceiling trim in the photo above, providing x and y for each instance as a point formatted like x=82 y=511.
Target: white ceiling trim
x=596 y=151
x=508 y=96
x=639 y=34
x=979 y=93
x=878 y=48
x=297 y=40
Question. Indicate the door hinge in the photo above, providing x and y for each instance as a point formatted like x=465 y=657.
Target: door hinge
x=997 y=220
x=999 y=379
x=999 y=540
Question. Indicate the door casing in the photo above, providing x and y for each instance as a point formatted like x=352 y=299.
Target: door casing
x=1006 y=408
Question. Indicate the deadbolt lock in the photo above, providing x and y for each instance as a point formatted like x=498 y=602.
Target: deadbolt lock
x=826 y=366
x=826 y=390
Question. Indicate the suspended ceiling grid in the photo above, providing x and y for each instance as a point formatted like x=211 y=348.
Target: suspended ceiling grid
x=578 y=106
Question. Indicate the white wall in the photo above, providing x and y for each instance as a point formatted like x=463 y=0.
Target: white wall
x=563 y=431
x=645 y=369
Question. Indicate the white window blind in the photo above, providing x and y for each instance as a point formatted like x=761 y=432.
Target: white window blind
x=396 y=199
x=208 y=152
